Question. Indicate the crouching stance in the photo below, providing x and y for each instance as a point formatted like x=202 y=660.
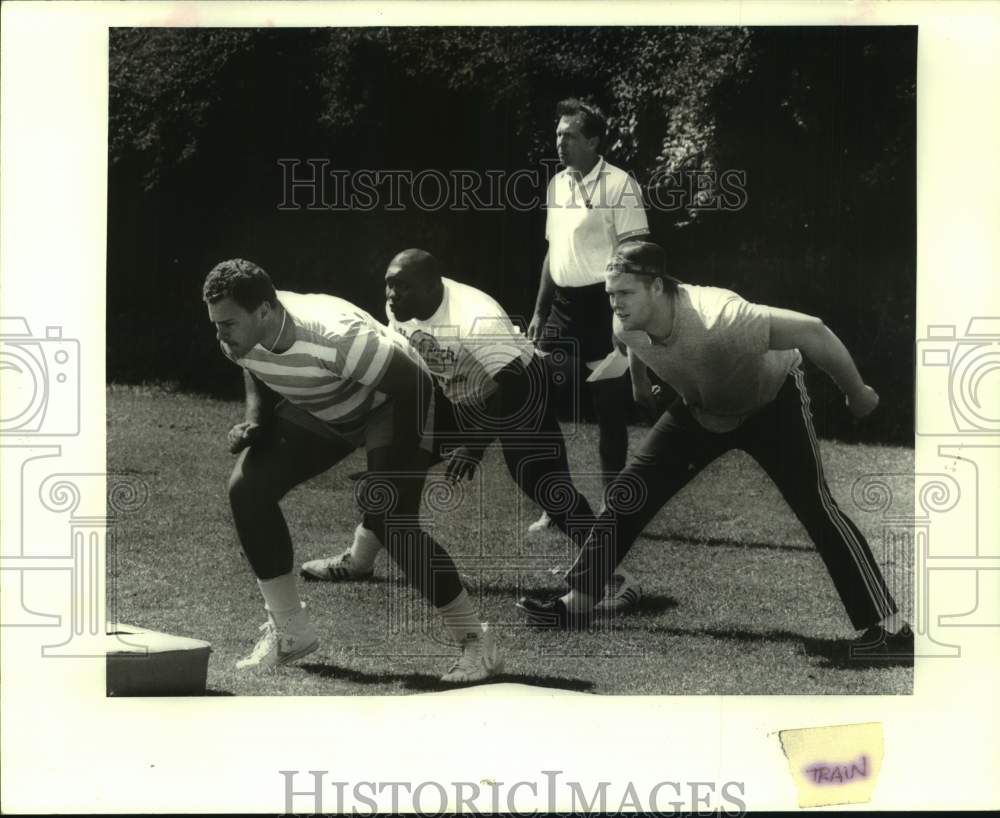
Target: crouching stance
x=335 y=380
x=735 y=367
x=491 y=386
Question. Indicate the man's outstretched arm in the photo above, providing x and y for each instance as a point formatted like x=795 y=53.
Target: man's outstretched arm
x=820 y=345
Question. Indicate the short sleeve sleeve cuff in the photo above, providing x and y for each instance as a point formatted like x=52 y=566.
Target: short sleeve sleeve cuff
x=630 y=216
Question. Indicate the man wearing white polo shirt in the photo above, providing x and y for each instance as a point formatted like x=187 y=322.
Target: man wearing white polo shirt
x=592 y=207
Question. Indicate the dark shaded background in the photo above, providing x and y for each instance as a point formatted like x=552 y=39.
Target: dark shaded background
x=821 y=120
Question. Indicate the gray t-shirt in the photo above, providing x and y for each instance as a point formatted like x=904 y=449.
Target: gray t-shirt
x=717 y=356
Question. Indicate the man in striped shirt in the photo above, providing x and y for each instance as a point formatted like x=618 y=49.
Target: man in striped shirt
x=735 y=367
x=322 y=378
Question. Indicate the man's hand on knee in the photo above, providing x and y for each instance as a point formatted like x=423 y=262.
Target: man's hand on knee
x=462 y=463
x=242 y=435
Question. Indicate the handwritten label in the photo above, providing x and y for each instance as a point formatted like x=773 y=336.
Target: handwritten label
x=834 y=765
x=838 y=773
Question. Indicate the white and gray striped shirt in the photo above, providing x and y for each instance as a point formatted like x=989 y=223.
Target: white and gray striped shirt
x=336 y=362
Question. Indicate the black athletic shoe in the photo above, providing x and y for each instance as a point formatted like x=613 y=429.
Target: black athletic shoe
x=552 y=613
x=877 y=646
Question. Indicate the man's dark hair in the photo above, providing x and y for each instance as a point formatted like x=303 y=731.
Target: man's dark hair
x=643 y=259
x=243 y=281
x=592 y=120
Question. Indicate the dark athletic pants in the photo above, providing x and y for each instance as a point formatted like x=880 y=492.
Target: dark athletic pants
x=389 y=496
x=579 y=324
x=781 y=439
x=521 y=416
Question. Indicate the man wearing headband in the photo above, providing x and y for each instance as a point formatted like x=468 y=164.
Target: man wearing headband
x=736 y=369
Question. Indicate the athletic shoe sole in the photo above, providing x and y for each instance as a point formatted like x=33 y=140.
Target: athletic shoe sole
x=308 y=577
x=282 y=660
x=494 y=671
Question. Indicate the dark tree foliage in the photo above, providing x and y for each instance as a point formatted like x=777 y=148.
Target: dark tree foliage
x=818 y=123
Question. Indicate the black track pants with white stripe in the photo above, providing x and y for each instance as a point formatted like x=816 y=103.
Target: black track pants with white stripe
x=781 y=438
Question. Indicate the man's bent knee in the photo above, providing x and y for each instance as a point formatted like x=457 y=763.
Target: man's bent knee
x=248 y=487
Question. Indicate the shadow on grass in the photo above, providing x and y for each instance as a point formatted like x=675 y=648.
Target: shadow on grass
x=428 y=682
x=835 y=653
x=722 y=542
x=653 y=605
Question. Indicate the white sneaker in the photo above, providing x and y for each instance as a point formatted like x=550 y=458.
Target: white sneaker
x=543 y=523
x=282 y=642
x=621 y=594
x=334 y=569
x=480 y=659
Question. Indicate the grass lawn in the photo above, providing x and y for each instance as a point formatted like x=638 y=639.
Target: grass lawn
x=735 y=597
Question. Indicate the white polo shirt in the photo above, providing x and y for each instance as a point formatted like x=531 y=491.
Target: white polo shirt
x=585 y=221
x=466 y=342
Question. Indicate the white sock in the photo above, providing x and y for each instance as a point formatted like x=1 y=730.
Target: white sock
x=460 y=618
x=893 y=623
x=365 y=548
x=577 y=602
x=281 y=596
